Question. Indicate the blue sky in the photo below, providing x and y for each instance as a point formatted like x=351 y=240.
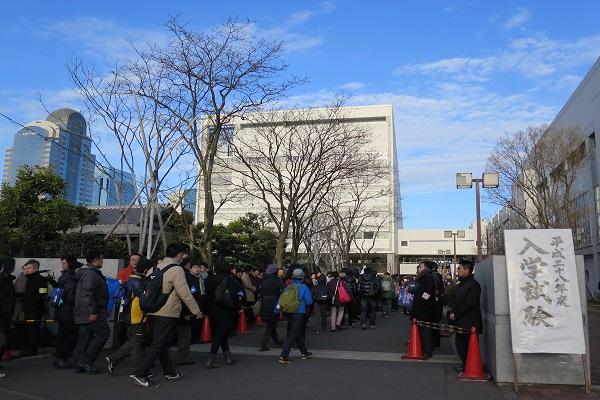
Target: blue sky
x=459 y=74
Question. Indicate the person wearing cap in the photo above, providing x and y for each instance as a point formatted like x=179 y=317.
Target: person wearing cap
x=296 y=320
x=269 y=291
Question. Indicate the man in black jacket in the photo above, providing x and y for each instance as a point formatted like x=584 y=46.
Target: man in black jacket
x=465 y=309
x=7 y=299
x=90 y=314
x=369 y=289
x=34 y=297
x=66 y=338
x=269 y=291
x=424 y=306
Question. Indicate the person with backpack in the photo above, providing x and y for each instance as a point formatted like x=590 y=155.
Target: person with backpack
x=64 y=305
x=369 y=292
x=269 y=291
x=388 y=293
x=169 y=288
x=90 y=312
x=224 y=303
x=132 y=316
x=293 y=303
x=424 y=306
x=322 y=300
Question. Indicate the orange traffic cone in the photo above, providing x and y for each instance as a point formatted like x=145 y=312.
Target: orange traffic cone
x=258 y=321
x=414 y=344
x=205 y=333
x=242 y=324
x=473 y=366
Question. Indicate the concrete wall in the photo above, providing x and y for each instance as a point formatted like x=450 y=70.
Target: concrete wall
x=496 y=343
x=109 y=268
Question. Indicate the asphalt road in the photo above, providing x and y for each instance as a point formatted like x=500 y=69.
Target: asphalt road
x=351 y=364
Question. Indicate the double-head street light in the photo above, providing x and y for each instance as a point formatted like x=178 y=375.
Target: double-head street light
x=454 y=234
x=465 y=180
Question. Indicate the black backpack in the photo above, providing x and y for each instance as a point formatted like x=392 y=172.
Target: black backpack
x=223 y=296
x=152 y=297
x=321 y=294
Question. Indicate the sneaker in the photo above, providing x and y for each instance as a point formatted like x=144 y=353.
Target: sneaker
x=317 y=332
x=363 y=327
x=372 y=327
x=306 y=356
x=263 y=349
x=86 y=369
x=174 y=377
x=143 y=382
x=109 y=365
x=283 y=361
x=2 y=375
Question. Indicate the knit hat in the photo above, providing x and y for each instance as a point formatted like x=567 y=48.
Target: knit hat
x=298 y=274
x=271 y=269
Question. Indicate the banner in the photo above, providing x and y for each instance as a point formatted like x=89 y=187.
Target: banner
x=543 y=292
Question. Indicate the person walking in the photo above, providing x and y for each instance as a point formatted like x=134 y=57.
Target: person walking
x=322 y=301
x=119 y=332
x=90 y=313
x=439 y=302
x=295 y=319
x=34 y=305
x=465 y=308
x=337 y=307
x=183 y=326
x=388 y=293
x=269 y=291
x=134 y=319
x=369 y=292
x=424 y=306
x=66 y=338
x=224 y=303
x=7 y=294
x=163 y=321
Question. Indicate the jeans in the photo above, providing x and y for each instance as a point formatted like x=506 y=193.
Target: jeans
x=270 y=332
x=90 y=341
x=134 y=346
x=163 y=332
x=220 y=339
x=367 y=309
x=321 y=315
x=66 y=339
x=295 y=324
x=426 y=340
x=183 y=330
x=337 y=314
x=387 y=307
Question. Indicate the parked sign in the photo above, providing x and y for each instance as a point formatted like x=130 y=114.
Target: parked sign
x=545 y=307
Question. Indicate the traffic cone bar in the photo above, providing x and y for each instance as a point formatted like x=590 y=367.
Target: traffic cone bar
x=473 y=366
x=206 y=334
x=414 y=344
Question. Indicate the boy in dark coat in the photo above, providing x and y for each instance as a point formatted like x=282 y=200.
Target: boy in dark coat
x=424 y=306
x=269 y=291
x=66 y=337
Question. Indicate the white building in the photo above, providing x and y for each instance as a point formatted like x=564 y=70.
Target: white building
x=416 y=245
x=379 y=123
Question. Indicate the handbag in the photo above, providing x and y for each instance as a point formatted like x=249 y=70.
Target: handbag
x=343 y=294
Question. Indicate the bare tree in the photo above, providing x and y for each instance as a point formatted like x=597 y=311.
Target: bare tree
x=291 y=160
x=213 y=77
x=539 y=172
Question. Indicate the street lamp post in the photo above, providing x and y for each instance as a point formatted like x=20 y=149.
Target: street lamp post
x=452 y=234
x=465 y=180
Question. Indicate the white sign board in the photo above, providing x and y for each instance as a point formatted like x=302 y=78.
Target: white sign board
x=545 y=308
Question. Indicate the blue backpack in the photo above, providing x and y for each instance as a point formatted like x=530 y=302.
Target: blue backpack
x=57 y=297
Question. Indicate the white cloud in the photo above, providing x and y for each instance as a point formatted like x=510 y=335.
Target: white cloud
x=353 y=86
x=517 y=19
x=532 y=57
x=300 y=17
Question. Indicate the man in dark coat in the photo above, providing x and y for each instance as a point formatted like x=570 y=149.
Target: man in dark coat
x=439 y=299
x=465 y=309
x=90 y=314
x=66 y=337
x=269 y=291
x=424 y=306
x=369 y=288
x=223 y=314
x=34 y=297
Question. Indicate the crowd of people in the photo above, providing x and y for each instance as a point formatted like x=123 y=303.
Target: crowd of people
x=162 y=303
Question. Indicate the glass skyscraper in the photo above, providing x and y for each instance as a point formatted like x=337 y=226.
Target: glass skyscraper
x=61 y=143
x=112 y=187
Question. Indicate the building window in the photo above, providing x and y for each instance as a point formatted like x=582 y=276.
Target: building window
x=368 y=235
x=404 y=243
